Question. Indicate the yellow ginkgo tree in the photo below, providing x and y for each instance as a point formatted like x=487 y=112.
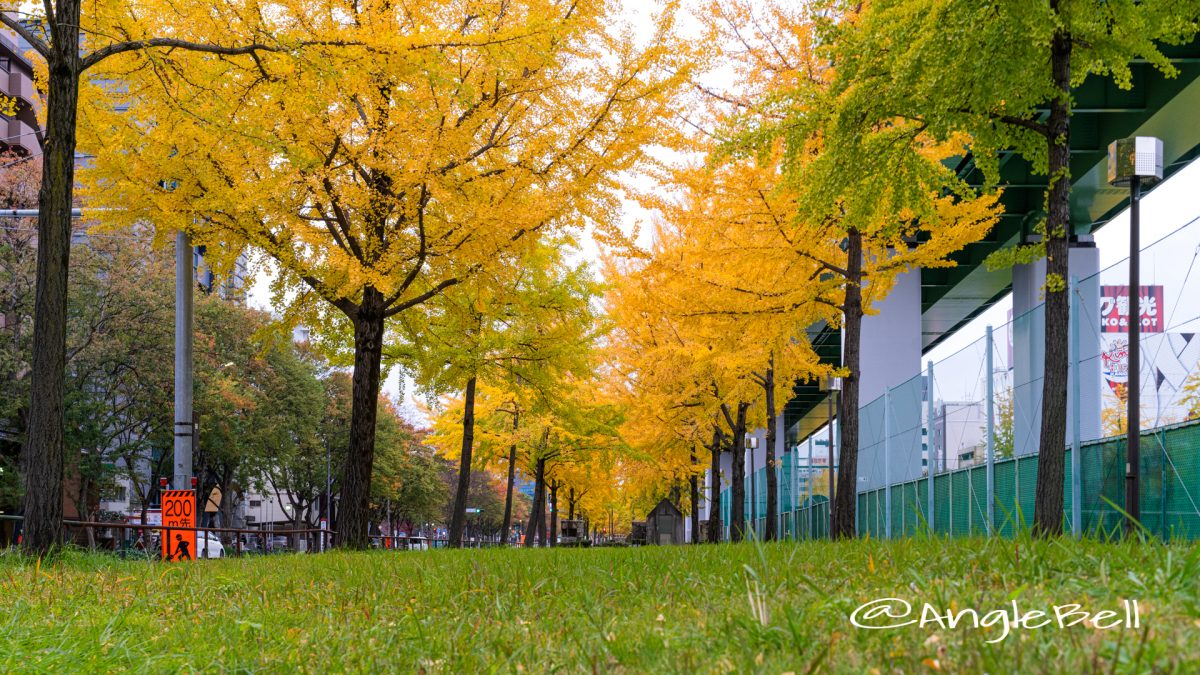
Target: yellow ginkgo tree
x=849 y=202
x=377 y=176
x=71 y=43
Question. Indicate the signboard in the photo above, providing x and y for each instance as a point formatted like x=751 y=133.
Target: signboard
x=1114 y=309
x=1115 y=363
x=178 y=510
x=153 y=517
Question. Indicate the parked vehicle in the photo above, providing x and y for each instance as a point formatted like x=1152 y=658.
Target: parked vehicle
x=208 y=545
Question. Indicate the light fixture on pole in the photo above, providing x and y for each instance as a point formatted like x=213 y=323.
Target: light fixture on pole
x=1135 y=162
x=752 y=444
x=831 y=385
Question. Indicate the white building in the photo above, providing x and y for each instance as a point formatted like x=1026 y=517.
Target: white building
x=959 y=434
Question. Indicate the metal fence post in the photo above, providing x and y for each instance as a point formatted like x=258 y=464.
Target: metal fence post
x=991 y=436
x=778 y=469
x=1076 y=450
x=929 y=452
x=887 y=475
x=811 y=487
x=796 y=492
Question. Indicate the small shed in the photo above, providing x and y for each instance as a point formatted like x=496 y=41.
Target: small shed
x=572 y=533
x=664 y=524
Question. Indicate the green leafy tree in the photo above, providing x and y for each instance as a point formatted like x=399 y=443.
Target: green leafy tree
x=1191 y=393
x=19 y=178
x=522 y=326
x=1002 y=74
x=293 y=463
x=119 y=381
x=408 y=484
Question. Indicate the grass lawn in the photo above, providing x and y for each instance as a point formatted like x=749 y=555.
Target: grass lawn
x=768 y=608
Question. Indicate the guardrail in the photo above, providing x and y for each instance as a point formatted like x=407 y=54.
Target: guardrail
x=146 y=537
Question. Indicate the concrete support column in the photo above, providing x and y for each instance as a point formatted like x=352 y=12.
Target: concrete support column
x=1028 y=347
x=891 y=359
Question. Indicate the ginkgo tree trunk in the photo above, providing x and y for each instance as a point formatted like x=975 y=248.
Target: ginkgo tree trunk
x=379 y=176
x=767 y=380
x=509 y=483
x=714 y=490
x=72 y=44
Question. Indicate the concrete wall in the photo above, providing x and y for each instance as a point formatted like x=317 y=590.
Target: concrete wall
x=1029 y=356
x=891 y=358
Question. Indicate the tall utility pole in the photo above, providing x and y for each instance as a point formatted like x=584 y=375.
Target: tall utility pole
x=328 y=498
x=183 y=361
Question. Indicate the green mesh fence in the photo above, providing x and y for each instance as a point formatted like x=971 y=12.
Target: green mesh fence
x=1006 y=498
x=1026 y=484
x=960 y=503
x=941 y=504
x=1170 y=494
x=979 y=523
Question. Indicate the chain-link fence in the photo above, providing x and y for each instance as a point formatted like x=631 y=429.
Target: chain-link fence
x=972 y=421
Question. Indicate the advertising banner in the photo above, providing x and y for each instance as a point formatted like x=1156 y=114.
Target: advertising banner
x=1114 y=309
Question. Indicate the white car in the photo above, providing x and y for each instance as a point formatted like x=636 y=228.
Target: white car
x=208 y=545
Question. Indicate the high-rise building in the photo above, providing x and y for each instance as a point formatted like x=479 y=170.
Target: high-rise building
x=21 y=132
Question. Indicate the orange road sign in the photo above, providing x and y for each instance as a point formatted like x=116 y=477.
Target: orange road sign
x=178 y=510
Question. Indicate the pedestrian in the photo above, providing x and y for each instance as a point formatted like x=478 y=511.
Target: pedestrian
x=212 y=508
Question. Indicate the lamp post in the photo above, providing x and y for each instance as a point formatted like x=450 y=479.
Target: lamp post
x=1135 y=162
x=832 y=385
x=752 y=444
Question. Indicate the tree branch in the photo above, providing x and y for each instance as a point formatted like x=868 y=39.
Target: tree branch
x=412 y=302
x=1040 y=128
x=174 y=43
x=27 y=35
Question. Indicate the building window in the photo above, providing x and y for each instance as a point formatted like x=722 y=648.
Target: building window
x=5 y=64
x=255 y=503
x=114 y=493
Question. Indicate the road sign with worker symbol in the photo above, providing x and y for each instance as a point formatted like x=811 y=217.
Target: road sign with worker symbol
x=178 y=510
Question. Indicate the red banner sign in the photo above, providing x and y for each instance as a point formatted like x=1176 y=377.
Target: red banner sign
x=1114 y=309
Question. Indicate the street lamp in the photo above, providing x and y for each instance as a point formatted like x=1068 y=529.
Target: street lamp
x=752 y=444
x=831 y=385
x=1134 y=162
